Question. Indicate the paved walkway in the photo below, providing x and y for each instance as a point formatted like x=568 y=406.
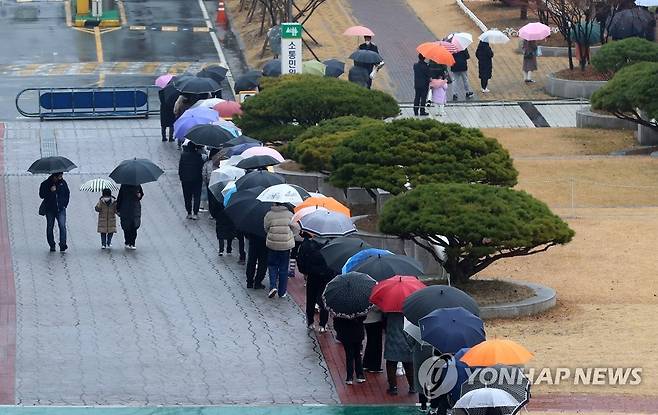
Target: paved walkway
x=168 y=324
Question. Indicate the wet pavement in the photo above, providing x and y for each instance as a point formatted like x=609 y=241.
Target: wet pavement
x=224 y=410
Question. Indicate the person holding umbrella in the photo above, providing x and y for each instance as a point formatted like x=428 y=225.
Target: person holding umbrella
x=485 y=64
x=279 y=242
x=55 y=194
x=396 y=349
x=530 y=49
x=129 y=209
x=167 y=97
x=368 y=45
x=190 y=169
x=211 y=164
x=460 y=74
x=421 y=84
x=311 y=263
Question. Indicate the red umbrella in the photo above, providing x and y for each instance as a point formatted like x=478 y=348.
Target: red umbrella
x=227 y=109
x=389 y=294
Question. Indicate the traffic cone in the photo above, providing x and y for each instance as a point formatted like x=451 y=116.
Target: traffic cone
x=221 y=15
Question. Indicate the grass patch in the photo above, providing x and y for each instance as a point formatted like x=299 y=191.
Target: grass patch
x=589 y=74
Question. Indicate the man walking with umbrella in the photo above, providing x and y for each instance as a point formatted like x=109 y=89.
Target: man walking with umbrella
x=368 y=45
x=129 y=208
x=421 y=85
x=311 y=263
x=55 y=194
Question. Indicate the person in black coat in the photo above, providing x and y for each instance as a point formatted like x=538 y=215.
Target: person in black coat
x=55 y=194
x=421 y=85
x=485 y=64
x=224 y=227
x=256 y=257
x=367 y=45
x=312 y=264
x=359 y=75
x=129 y=209
x=460 y=74
x=190 y=167
x=350 y=333
x=168 y=96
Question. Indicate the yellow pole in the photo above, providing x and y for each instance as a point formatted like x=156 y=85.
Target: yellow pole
x=82 y=7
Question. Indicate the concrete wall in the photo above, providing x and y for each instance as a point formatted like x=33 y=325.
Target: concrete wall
x=565 y=88
x=559 y=51
x=647 y=136
x=588 y=119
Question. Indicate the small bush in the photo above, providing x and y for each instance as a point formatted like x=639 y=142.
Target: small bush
x=616 y=54
x=314 y=148
x=393 y=156
x=304 y=101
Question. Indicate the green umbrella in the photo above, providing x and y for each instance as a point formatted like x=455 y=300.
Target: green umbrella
x=589 y=33
x=313 y=67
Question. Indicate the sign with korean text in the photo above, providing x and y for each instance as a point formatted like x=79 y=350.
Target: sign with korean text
x=291 y=48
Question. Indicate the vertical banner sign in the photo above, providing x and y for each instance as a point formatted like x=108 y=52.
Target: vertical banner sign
x=291 y=48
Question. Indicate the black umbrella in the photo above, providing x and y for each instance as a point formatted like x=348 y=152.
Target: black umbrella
x=215 y=72
x=334 y=68
x=381 y=267
x=248 y=81
x=257 y=162
x=423 y=302
x=366 y=56
x=50 y=165
x=258 y=178
x=508 y=378
x=247 y=212
x=337 y=252
x=136 y=171
x=629 y=23
x=272 y=68
x=195 y=85
x=208 y=135
x=216 y=190
x=242 y=139
x=348 y=295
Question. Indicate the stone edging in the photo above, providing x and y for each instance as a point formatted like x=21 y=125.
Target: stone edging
x=566 y=88
x=589 y=119
x=559 y=51
x=544 y=299
x=479 y=23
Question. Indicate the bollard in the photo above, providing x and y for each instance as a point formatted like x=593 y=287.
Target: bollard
x=221 y=14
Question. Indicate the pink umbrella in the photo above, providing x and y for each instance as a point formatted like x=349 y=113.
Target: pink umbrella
x=163 y=80
x=534 y=31
x=262 y=151
x=451 y=47
x=358 y=31
x=228 y=109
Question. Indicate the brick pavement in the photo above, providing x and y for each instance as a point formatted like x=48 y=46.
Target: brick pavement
x=168 y=324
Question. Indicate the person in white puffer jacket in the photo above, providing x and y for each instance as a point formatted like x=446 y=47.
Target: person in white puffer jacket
x=279 y=241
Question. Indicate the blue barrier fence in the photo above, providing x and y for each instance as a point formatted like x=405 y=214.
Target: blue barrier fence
x=87 y=103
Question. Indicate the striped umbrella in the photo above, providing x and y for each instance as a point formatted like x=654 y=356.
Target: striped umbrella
x=97 y=185
x=451 y=47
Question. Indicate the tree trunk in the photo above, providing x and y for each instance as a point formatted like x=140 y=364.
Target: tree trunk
x=524 y=11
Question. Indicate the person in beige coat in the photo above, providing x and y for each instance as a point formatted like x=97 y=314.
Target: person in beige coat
x=107 y=220
x=279 y=242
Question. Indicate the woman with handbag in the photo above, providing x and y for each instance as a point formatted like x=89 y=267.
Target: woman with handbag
x=530 y=53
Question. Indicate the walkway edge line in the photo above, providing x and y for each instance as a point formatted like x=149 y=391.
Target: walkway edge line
x=7 y=296
x=472 y=16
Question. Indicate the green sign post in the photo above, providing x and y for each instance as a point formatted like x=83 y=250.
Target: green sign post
x=291 y=48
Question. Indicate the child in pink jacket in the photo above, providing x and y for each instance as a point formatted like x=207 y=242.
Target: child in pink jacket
x=439 y=89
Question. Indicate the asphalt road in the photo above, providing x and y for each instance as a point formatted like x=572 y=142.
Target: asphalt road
x=158 y=36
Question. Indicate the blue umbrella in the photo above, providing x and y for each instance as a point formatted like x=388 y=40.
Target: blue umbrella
x=227 y=196
x=451 y=329
x=463 y=373
x=240 y=148
x=193 y=117
x=358 y=258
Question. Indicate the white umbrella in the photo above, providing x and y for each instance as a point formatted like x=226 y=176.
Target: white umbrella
x=646 y=3
x=208 y=103
x=97 y=185
x=284 y=193
x=494 y=36
x=414 y=331
x=225 y=174
x=316 y=194
x=327 y=223
x=486 y=398
x=462 y=39
x=229 y=186
x=231 y=161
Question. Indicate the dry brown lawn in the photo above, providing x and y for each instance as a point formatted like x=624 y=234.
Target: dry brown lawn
x=606 y=277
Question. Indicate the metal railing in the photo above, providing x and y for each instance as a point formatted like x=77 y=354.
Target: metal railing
x=89 y=103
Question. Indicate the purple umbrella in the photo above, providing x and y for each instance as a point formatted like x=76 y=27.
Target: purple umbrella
x=240 y=148
x=193 y=117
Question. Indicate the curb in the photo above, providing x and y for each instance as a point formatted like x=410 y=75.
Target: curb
x=544 y=299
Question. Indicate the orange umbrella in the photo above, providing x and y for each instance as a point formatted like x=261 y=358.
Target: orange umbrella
x=497 y=352
x=436 y=52
x=328 y=203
